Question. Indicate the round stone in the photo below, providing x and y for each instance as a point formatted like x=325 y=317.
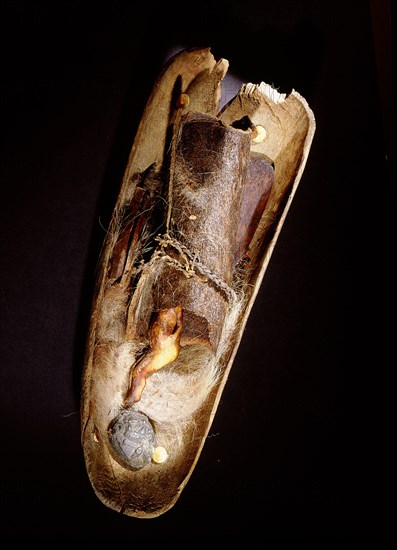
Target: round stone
x=132 y=438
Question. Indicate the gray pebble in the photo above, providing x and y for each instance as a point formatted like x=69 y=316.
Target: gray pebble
x=132 y=437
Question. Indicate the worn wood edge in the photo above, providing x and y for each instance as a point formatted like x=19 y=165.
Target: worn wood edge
x=271 y=246
x=264 y=264
x=188 y=63
x=133 y=165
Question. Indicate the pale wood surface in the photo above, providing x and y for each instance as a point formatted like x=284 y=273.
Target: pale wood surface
x=290 y=127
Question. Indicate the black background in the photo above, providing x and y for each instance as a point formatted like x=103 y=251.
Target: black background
x=301 y=447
